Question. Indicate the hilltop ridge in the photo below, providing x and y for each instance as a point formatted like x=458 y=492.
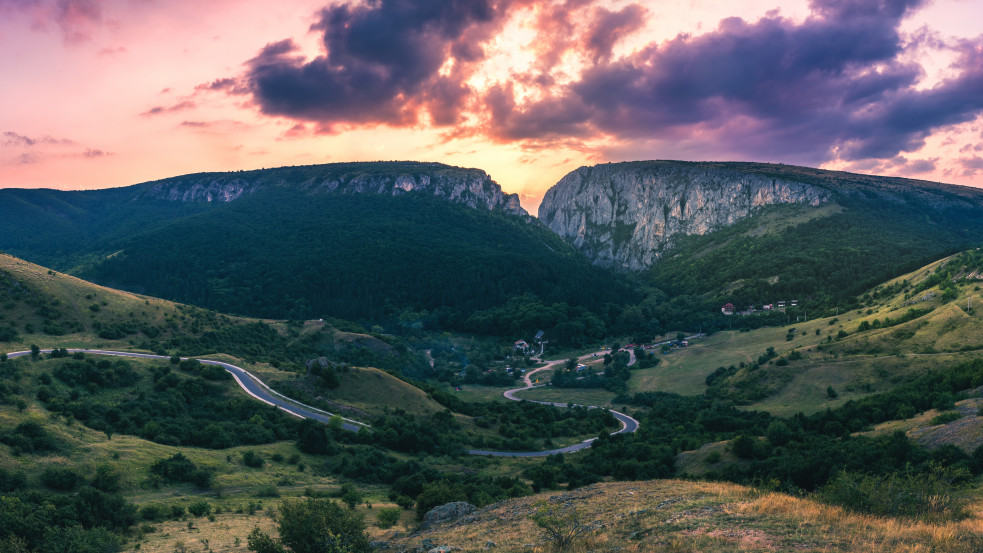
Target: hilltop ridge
x=629 y=215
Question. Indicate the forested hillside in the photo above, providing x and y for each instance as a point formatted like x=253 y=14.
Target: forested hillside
x=823 y=262
x=280 y=253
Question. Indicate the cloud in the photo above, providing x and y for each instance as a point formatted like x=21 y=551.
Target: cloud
x=838 y=85
x=10 y=138
x=76 y=19
x=161 y=110
x=222 y=126
x=91 y=153
x=971 y=165
x=382 y=63
x=28 y=159
x=609 y=27
x=829 y=87
x=228 y=85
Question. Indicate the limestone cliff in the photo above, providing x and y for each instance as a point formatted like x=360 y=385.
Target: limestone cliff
x=625 y=215
x=471 y=187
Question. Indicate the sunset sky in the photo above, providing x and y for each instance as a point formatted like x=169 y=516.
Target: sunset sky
x=101 y=93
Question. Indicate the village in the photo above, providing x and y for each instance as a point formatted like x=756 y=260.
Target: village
x=729 y=309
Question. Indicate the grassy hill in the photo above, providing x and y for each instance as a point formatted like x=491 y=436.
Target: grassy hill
x=684 y=516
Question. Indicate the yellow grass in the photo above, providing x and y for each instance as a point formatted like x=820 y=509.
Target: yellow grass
x=673 y=515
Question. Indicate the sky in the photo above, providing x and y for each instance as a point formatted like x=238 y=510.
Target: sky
x=104 y=93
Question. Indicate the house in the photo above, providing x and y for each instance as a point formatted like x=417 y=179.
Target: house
x=522 y=346
x=768 y=307
x=781 y=304
x=539 y=336
x=795 y=302
x=727 y=309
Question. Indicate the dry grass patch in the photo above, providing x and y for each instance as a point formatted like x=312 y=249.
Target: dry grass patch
x=705 y=517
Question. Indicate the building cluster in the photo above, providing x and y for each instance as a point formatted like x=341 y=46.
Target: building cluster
x=729 y=309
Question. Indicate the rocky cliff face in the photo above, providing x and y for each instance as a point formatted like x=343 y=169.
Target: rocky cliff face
x=625 y=215
x=471 y=187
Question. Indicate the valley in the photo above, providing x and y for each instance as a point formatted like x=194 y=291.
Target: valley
x=397 y=337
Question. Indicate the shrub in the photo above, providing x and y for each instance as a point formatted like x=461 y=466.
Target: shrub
x=155 y=512
x=200 y=508
x=252 y=459
x=926 y=495
x=314 y=525
x=946 y=418
x=562 y=526
x=388 y=516
x=60 y=478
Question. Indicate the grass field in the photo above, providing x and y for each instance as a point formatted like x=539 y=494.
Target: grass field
x=581 y=396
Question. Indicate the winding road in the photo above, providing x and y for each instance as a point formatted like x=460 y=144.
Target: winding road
x=246 y=380
x=256 y=388
x=628 y=424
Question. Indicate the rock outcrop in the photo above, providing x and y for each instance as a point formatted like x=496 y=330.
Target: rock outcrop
x=446 y=513
x=471 y=187
x=625 y=215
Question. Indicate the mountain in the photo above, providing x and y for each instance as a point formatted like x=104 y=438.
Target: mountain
x=470 y=187
x=412 y=259
x=628 y=215
x=426 y=243
x=707 y=234
x=61 y=228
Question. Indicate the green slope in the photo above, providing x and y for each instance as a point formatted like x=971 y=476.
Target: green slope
x=283 y=253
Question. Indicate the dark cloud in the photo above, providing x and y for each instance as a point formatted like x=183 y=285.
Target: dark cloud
x=609 y=27
x=381 y=64
x=838 y=85
x=828 y=87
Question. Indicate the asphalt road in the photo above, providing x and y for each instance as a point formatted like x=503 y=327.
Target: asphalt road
x=260 y=391
x=246 y=380
x=628 y=424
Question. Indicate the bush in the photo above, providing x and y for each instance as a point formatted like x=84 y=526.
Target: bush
x=562 y=526
x=927 y=495
x=314 y=526
x=60 y=478
x=252 y=459
x=946 y=418
x=388 y=516
x=154 y=512
x=200 y=508
x=106 y=479
x=744 y=446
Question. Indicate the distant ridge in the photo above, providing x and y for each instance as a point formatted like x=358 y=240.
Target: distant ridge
x=627 y=215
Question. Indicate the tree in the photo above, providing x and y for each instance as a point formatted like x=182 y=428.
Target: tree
x=779 y=433
x=313 y=526
x=35 y=351
x=350 y=496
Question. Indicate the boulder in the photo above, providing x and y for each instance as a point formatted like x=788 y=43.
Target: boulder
x=447 y=513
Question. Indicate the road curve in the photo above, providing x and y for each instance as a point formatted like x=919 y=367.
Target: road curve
x=246 y=380
x=257 y=389
x=628 y=424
